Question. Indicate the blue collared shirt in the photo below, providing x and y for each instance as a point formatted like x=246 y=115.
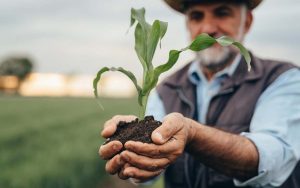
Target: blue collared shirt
x=274 y=127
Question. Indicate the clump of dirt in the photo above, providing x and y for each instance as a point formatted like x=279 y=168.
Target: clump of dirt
x=135 y=130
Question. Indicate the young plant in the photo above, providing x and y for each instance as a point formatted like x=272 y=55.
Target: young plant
x=147 y=37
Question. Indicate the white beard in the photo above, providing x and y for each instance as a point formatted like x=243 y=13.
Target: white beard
x=214 y=56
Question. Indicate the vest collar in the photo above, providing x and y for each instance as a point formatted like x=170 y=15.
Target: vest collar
x=242 y=75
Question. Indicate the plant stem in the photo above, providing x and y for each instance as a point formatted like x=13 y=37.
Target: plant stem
x=144 y=105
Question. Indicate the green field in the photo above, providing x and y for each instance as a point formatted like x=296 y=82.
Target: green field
x=53 y=142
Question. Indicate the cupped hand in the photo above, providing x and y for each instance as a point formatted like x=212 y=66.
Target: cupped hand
x=169 y=141
x=111 y=150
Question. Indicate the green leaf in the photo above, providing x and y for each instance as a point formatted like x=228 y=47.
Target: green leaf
x=140 y=45
x=152 y=42
x=152 y=76
x=150 y=83
x=245 y=53
x=201 y=42
x=226 y=41
x=163 y=30
x=132 y=20
x=96 y=80
x=146 y=37
x=142 y=30
x=157 y=32
x=173 y=57
x=139 y=16
x=204 y=41
x=129 y=74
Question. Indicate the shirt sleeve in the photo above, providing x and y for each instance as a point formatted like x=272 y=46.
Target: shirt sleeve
x=275 y=129
x=155 y=106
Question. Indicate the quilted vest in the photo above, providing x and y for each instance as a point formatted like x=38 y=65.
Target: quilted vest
x=230 y=110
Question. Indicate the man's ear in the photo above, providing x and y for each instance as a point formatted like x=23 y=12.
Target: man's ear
x=249 y=20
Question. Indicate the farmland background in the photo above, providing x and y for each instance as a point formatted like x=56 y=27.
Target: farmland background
x=50 y=137
x=53 y=142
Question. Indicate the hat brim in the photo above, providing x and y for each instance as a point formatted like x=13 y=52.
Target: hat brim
x=178 y=4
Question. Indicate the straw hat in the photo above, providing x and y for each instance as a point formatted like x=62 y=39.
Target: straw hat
x=179 y=4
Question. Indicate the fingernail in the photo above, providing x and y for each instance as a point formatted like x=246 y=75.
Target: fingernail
x=128 y=145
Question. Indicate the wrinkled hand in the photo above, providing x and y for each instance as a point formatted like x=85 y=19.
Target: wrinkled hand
x=110 y=150
x=149 y=160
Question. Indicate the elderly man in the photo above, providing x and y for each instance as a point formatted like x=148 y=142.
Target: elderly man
x=222 y=125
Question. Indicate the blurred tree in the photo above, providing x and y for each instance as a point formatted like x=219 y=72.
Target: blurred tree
x=16 y=66
x=19 y=67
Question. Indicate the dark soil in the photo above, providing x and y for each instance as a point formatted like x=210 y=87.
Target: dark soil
x=135 y=130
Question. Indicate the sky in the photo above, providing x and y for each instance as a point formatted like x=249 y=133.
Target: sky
x=80 y=37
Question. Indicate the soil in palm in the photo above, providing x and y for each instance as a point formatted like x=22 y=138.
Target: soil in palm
x=135 y=130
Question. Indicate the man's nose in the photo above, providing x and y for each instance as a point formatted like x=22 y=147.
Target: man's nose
x=209 y=26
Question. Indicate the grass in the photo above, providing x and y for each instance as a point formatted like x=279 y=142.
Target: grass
x=53 y=142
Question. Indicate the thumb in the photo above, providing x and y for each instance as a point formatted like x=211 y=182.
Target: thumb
x=171 y=124
x=110 y=126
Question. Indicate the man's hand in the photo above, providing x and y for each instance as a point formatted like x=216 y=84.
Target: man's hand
x=149 y=160
x=110 y=150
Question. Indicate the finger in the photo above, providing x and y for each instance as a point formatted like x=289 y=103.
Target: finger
x=170 y=126
x=110 y=126
x=155 y=151
x=140 y=175
x=110 y=149
x=114 y=165
x=121 y=172
x=143 y=162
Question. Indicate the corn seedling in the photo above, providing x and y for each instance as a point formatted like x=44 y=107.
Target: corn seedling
x=147 y=37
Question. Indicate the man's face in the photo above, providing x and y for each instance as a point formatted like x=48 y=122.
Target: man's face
x=217 y=19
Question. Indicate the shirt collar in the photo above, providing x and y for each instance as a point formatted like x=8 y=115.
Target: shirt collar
x=196 y=75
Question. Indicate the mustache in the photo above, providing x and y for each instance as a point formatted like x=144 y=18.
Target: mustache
x=215 y=59
x=214 y=55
